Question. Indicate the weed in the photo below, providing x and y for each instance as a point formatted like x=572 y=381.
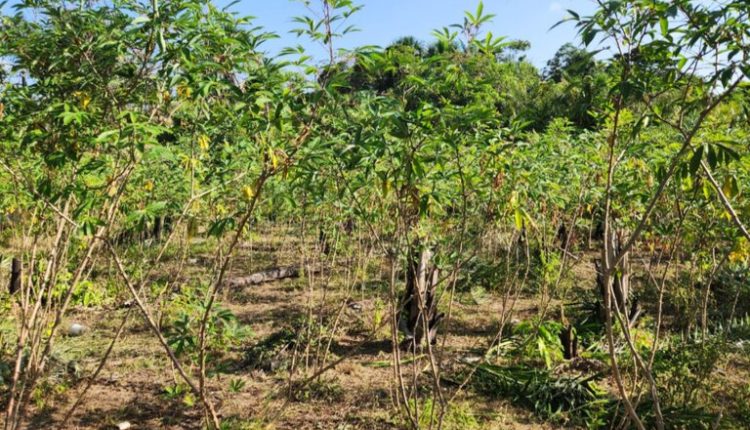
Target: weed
x=457 y=416
x=236 y=385
x=328 y=390
x=562 y=399
x=234 y=423
x=175 y=391
x=741 y=404
x=539 y=341
x=182 y=330
x=179 y=392
x=683 y=371
x=378 y=313
x=272 y=353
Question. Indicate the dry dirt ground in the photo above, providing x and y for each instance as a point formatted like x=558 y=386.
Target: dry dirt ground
x=358 y=393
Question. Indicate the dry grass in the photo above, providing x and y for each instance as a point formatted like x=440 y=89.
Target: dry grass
x=356 y=394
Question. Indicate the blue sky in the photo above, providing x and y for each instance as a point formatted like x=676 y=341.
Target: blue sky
x=383 y=21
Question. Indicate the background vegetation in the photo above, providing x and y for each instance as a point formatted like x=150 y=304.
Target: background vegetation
x=434 y=234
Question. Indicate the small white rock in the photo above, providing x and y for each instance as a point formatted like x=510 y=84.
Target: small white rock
x=471 y=359
x=123 y=425
x=76 y=329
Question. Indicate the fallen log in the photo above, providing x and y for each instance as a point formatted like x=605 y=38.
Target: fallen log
x=264 y=276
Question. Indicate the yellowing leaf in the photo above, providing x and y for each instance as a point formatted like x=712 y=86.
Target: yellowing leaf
x=148 y=186
x=183 y=91
x=248 y=192
x=83 y=98
x=741 y=252
x=729 y=187
x=386 y=186
x=736 y=257
x=203 y=142
x=518 y=218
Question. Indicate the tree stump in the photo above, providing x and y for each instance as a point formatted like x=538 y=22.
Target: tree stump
x=158 y=227
x=418 y=305
x=15 y=275
x=619 y=283
x=569 y=341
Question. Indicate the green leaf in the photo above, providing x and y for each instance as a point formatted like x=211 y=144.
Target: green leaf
x=105 y=135
x=518 y=218
x=262 y=101
x=140 y=20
